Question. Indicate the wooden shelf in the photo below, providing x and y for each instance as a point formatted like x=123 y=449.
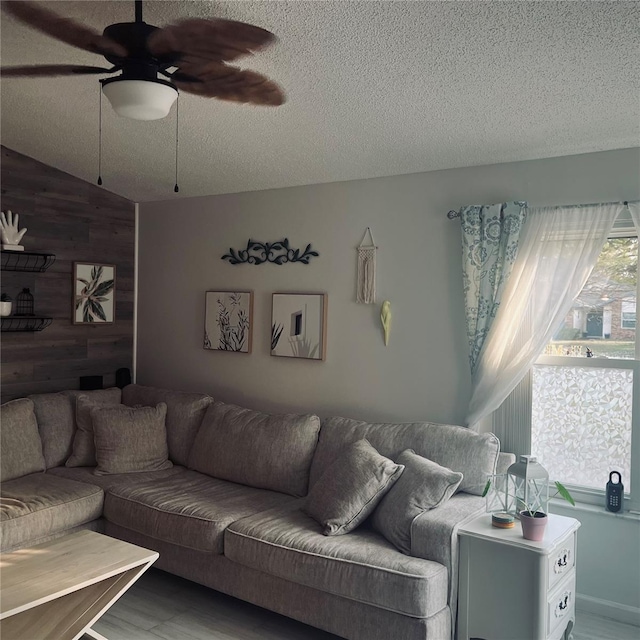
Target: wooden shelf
x=26 y=261
x=25 y=323
x=35 y=262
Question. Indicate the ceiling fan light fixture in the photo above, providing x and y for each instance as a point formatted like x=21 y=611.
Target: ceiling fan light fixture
x=140 y=99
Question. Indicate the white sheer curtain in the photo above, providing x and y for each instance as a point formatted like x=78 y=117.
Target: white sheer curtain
x=558 y=248
x=634 y=209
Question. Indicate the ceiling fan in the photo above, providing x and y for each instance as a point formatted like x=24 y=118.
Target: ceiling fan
x=192 y=55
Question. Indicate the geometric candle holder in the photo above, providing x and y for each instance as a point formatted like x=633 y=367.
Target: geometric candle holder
x=500 y=497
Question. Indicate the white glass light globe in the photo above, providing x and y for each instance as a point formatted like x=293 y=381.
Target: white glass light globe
x=140 y=99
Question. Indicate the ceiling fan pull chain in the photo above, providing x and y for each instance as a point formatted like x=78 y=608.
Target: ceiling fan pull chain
x=176 y=188
x=99 y=134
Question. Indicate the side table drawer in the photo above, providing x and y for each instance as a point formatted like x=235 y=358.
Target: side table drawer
x=564 y=631
x=561 y=604
x=561 y=561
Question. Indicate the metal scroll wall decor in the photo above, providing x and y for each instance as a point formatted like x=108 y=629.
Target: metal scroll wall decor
x=276 y=252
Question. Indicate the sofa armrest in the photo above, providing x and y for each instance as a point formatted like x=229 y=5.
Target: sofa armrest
x=434 y=536
x=505 y=460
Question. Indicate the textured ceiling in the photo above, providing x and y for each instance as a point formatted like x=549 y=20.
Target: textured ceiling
x=373 y=88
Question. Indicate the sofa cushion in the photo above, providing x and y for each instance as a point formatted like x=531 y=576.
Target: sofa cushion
x=94 y=525
x=55 y=413
x=189 y=509
x=86 y=474
x=84 y=450
x=424 y=485
x=111 y=395
x=20 y=444
x=361 y=566
x=256 y=449
x=129 y=439
x=40 y=505
x=184 y=415
x=457 y=448
x=349 y=490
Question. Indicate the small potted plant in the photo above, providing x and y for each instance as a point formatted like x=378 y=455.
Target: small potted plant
x=5 y=305
x=534 y=522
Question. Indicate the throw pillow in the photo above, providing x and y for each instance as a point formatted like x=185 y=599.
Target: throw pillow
x=457 y=448
x=56 y=416
x=84 y=450
x=184 y=415
x=256 y=449
x=130 y=440
x=20 y=444
x=424 y=485
x=349 y=490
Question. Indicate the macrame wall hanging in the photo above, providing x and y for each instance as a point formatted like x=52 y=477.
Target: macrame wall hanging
x=366 y=285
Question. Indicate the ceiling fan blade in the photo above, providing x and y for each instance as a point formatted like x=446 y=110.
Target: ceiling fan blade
x=209 y=40
x=63 y=29
x=41 y=70
x=216 y=80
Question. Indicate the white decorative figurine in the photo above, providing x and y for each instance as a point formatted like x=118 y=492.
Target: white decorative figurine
x=385 y=318
x=10 y=235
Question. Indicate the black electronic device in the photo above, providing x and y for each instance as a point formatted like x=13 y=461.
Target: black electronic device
x=123 y=377
x=615 y=492
x=89 y=383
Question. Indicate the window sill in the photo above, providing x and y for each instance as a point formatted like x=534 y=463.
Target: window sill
x=595 y=509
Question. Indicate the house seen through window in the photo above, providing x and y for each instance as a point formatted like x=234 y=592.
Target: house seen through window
x=582 y=413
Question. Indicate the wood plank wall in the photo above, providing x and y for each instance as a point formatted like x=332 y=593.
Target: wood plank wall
x=77 y=221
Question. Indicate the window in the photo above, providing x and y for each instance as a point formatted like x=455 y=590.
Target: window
x=602 y=320
x=581 y=402
x=581 y=419
x=629 y=313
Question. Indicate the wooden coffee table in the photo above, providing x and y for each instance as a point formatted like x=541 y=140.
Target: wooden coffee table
x=58 y=589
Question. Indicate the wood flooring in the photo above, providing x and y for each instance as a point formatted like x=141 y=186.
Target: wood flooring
x=162 y=606
x=590 y=627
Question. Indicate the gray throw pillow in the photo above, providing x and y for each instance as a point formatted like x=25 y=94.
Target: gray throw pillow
x=130 y=439
x=424 y=485
x=84 y=450
x=55 y=413
x=184 y=415
x=20 y=444
x=257 y=449
x=349 y=490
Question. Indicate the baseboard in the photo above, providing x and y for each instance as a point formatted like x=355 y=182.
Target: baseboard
x=608 y=609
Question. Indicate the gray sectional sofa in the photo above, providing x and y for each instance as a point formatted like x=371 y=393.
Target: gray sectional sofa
x=229 y=512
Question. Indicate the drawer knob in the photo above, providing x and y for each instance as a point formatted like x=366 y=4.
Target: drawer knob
x=563 y=604
x=562 y=561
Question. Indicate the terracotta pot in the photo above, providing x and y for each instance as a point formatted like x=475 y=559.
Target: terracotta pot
x=533 y=527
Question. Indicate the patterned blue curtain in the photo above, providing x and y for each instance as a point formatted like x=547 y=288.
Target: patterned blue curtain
x=489 y=245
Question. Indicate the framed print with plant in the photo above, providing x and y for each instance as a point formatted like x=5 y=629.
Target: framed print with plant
x=228 y=321
x=299 y=325
x=94 y=293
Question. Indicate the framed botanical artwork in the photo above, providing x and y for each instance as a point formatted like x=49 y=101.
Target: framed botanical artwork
x=228 y=321
x=94 y=293
x=299 y=325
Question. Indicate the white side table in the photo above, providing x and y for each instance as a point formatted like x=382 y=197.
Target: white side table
x=510 y=587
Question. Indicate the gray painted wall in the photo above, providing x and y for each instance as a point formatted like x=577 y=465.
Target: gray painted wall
x=424 y=372
x=608 y=561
